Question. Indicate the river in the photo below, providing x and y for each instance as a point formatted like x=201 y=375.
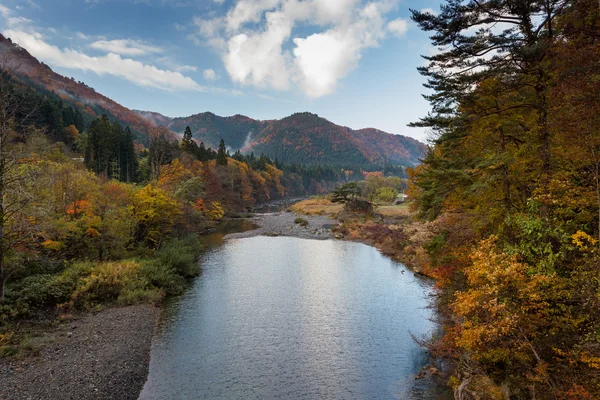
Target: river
x=290 y=318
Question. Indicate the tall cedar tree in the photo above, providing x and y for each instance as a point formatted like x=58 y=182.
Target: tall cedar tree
x=222 y=154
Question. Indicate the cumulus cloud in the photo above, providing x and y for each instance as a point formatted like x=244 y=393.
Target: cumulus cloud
x=398 y=27
x=259 y=45
x=111 y=64
x=125 y=47
x=210 y=74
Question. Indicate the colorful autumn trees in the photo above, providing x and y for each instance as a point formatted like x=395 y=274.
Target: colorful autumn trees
x=511 y=179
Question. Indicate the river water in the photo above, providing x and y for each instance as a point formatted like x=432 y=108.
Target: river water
x=289 y=318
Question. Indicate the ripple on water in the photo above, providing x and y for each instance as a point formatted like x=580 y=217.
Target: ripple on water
x=289 y=318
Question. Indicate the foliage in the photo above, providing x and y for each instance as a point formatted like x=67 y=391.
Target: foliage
x=346 y=193
x=512 y=180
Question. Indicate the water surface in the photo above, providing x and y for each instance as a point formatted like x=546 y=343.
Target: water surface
x=289 y=318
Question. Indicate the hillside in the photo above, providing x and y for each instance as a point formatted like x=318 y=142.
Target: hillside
x=237 y=131
x=39 y=76
x=303 y=138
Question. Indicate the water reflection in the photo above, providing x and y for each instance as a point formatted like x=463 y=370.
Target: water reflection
x=287 y=318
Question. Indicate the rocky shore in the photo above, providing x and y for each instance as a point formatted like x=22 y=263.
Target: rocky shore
x=101 y=356
x=284 y=224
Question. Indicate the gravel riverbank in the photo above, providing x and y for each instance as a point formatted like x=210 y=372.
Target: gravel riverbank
x=283 y=224
x=97 y=356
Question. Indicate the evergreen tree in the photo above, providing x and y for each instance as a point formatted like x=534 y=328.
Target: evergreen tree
x=128 y=157
x=188 y=144
x=222 y=154
x=115 y=162
x=99 y=148
x=476 y=51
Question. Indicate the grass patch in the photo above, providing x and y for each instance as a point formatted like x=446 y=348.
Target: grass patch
x=316 y=206
x=398 y=211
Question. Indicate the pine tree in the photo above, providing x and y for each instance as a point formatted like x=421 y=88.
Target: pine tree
x=222 y=154
x=128 y=157
x=475 y=50
x=117 y=151
x=99 y=147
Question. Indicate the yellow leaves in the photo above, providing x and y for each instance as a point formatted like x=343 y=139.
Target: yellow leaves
x=92 y=232
x=215 y=211
x=502 y=299
x=591 y=361
x=52 y=245
x=156 y=211
x=583 y=241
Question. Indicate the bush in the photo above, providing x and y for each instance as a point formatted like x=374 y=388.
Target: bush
x=105 y=283
x=162 y=276
x=301 y=221
x=181 y=255
x=359 y=206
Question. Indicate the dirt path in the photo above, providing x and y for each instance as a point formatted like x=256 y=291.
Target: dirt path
x=98 y=356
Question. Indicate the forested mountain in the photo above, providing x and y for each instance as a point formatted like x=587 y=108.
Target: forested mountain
x=303 y=138
x=209 y=128
x=81 y=97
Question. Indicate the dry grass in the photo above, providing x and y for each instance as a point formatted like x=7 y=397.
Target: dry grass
x=393 y=211
x=316 y=207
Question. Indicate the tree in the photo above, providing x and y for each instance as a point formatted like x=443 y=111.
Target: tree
x=476 y=50
x=161 y=151
x=188 y=144
x=99 y=148
x=346 y=193
x=222 y=154
x=14 y=109
x=128 y=157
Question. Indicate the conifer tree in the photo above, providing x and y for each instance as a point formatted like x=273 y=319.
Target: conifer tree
x=222 y=154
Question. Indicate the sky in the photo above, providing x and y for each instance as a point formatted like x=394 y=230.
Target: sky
x=353 y=62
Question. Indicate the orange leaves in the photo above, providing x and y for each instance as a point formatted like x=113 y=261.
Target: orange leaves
x=199 y=205
x=78 y=207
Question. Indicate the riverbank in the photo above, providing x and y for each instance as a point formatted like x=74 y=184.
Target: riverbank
x=286 y=223
x=95 y=356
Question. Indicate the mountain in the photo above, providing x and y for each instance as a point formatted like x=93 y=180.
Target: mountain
x=303 y=138
x=237 y=131
x=30 y=71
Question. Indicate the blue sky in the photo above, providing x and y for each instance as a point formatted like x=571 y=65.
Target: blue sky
x=351 y=61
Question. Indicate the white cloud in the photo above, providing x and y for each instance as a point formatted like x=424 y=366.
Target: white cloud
x=111 y=64
x=257 y=44
x=82 y=36
x=398 y=27
x=12 y=20
x=210 y=74
x=430 y=11
x=125 y=47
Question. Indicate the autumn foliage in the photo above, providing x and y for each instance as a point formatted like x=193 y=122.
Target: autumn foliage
x=512 y=180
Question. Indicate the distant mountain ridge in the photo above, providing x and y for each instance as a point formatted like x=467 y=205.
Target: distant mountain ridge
x=302 y=138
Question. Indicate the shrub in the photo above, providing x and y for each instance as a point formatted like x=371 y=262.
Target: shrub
x=181 y=255
x=160 y=275
x=301 y=221
x=105 y=283
x=359 y=206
